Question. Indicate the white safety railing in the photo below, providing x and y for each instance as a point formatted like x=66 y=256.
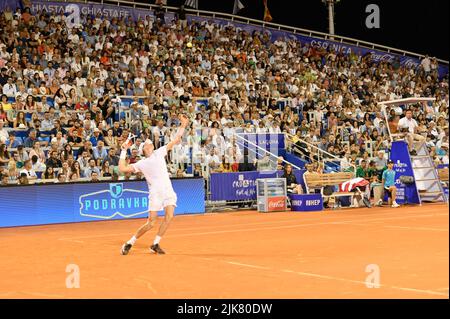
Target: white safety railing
x=320 y=153
x=260 y=23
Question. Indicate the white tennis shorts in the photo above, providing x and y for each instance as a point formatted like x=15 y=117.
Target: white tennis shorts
x=159 y=199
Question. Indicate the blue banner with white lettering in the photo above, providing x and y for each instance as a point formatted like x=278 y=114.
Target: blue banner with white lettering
x=403 y=166
x=241 y=186
x=306 y=202
x=81 y=202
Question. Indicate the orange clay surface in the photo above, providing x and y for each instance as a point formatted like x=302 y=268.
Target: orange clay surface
x=237 y=255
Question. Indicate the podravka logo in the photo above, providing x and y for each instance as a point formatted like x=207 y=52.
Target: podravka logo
x=115 y=201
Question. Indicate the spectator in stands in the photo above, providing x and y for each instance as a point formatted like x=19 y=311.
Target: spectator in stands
x=23 y=154
x=31 y=139
x=12 y=142
x=13 y=173
x=36 y=150
x=37 y=165
x=28 y=170
x=106 y=170
x=94 y=176
x=388 y=181
x=4 y=179
x=112 y=157
x=10 y=89
x=100 y=152
x=3 y=132
x=4 y=155
x=49 y=173
x=20 y=121
x=76 y=172
x=61 y=178
x=59 y=140
x=53 y=161
x=92 y=168
x=23 y=179
x=380 y=161
x=96 y=137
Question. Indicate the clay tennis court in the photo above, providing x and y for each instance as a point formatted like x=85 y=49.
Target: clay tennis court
x=237 y=255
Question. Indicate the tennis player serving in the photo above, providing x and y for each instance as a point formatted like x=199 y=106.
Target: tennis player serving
x=162 y=195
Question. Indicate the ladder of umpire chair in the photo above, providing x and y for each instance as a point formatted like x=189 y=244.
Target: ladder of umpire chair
x=426 y=175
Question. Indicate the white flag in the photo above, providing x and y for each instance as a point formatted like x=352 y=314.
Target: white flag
x=191 y=3
x=238 y=6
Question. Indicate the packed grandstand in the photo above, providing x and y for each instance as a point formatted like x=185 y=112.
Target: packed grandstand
x=71 y=96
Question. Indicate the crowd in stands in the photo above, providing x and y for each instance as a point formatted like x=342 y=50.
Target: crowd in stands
x=62 y=89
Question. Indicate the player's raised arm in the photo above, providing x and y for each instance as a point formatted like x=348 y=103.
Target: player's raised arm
x=184 y=123
x=123 y=166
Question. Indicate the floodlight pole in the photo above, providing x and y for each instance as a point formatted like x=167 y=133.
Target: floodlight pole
x=330 y=4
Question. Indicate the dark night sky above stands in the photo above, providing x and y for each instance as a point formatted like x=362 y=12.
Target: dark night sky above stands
x=404 y=24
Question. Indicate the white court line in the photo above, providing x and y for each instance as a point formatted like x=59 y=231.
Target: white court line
x=291 y=226
x=417 y=228
x=227 y=225
x=308 y=274
x=358 y=220
x=247 y=265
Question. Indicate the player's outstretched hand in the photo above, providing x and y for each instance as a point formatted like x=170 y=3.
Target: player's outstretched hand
x=126 y=145
x=184 y=120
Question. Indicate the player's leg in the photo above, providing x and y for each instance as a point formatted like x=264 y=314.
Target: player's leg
x=169 y=212
x=140 y=232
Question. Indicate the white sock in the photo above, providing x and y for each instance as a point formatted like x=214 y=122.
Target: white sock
x=157 y=240
x=132 y=240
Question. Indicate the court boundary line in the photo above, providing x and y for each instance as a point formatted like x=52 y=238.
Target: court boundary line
x=350 y=222
x=327 y=277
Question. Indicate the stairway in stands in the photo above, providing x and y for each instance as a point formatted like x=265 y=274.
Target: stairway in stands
x=426 y=175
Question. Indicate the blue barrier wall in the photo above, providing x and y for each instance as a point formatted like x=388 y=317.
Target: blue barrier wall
x=242 y=185
x=68 y=203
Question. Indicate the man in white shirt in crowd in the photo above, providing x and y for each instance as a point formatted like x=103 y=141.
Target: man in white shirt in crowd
x=410 y=125
x=28 y=170
x=213 y=160
x=159 y=133
x=10 y=89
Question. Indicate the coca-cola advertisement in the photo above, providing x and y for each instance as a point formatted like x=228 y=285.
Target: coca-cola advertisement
x=276 y=204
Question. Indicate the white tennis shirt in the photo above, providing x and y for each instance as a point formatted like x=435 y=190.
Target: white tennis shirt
x=155 y=171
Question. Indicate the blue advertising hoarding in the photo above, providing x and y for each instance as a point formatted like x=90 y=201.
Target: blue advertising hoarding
x=403 y=166
x=306 y=202
x=242 y=185
x=68 y=203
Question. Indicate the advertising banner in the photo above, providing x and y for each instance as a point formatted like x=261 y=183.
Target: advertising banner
x=68 y=203
x=306 y=202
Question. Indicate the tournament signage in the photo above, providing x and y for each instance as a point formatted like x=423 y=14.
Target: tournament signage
x=233 y=186
x=114 y=201
x=306 y=202
x=403 y=166
x=81 y=202
x=242 y=185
